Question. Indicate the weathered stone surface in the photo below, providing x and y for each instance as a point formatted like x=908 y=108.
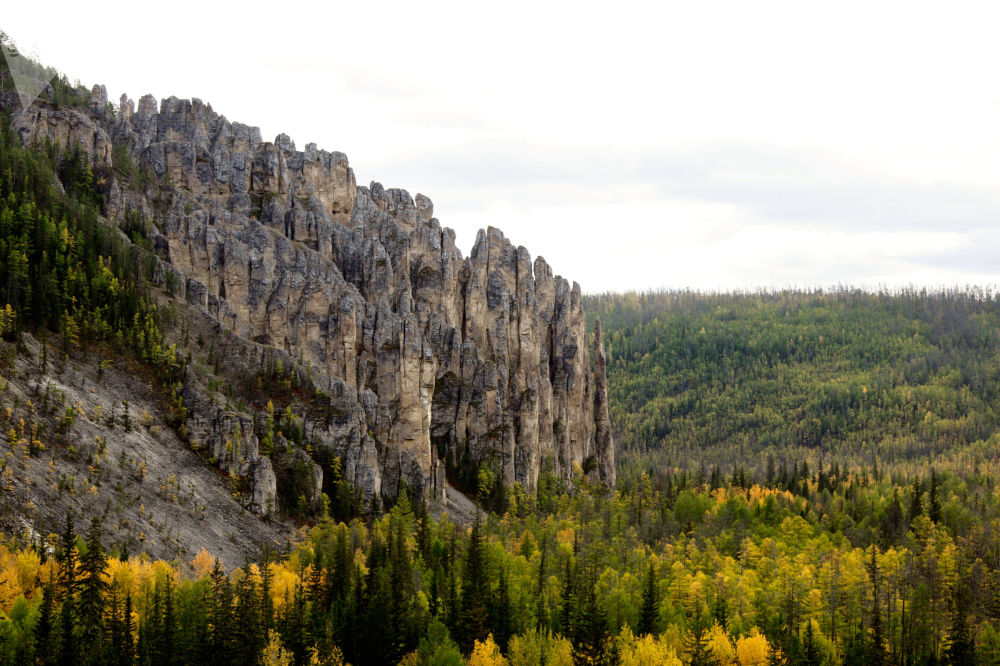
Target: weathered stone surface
x=604 y=447
x=422 y=351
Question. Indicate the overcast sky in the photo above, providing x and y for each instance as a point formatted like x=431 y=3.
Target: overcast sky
x=634 y=145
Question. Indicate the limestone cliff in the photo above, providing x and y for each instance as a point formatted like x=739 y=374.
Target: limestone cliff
x=426 y=355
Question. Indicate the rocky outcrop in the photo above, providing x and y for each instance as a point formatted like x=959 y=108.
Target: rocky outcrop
x=604 y=446
x=428 y=357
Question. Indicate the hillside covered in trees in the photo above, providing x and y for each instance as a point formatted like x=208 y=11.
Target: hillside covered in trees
x=865 y=381
x=806 y=478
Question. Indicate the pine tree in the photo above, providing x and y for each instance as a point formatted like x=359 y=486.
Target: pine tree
x=293 y=625
x=541 y=612
x=266 y=602
x=961 y=647
x=400 y=587
x=44 y=637
x=68 y=585
x=877 y=650
x=116 y=637
x=454 y=610
x=474 y=586
x=249 y=638
x=649 y=614
x=810 y=651
x=856 y=650
x=566 y=610
x=695 y=644
x=590 y=630
x=152 y=630
x=892 y=523
x=916 y=501
x=127 y=655
x=157 y=631
x=934 y=503
x=93 y=588
x=221 y=614
x=503 y=627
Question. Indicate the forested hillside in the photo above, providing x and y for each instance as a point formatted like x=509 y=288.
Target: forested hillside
x=861 y=380
x=807 y=478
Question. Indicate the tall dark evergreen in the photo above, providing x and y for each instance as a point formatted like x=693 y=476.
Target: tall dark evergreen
x=93 y=589
x=933 y=501
x=591 y=643
x=266 y=602
x=475 y=583
x=810 y=648
x=916 y=501
x=45 y=637
x=696 y=644
x=221 y=616
x=127 y=655
x=568 y=607
x=68 y=587
x=649 y=612
x=250 y=635
x=877 y=648
x=961 y=650
x=294 y=626
x=502 y=619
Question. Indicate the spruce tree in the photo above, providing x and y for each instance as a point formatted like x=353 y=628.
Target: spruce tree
x=168 y=625
x=934 y=503
x=127 y=655
x=810 y=651
x=503 y=620
x=649 y=613
x=221 y=616
x=916 y=501
x=961 y=646
x=569 y=600
x=877 y=650
x=590 y=629
x=266 y=602
x=249 y=636
x=474 y=587
x=68 y=585
x=93 y=589
x=44 y=637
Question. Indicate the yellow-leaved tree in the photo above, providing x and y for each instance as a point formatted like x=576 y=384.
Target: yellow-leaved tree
x=487 y=653
x=720 y=647
x=536 y=648
x=274 y=654
x=203 y=563
x=753 y=649
x=646 y=650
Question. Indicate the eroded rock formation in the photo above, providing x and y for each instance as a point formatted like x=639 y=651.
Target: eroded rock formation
x=425 y=354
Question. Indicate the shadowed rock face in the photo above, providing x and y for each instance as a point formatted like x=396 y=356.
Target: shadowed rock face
x=422 y=351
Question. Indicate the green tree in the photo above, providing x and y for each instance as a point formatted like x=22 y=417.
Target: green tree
x=93 y=588
x=68 y=585
x=649 y=613
x=475 y=584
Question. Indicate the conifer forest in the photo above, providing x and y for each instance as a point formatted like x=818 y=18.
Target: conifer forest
x=803 y=478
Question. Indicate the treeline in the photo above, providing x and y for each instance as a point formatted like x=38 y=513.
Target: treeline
x=738 y=574
x=858 y=378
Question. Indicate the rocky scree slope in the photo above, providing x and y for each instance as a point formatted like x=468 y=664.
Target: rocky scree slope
x=427 y=357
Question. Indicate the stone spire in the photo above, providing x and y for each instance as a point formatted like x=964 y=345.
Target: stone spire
x=604 y=445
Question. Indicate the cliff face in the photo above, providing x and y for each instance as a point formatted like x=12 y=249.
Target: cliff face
x=425 y=354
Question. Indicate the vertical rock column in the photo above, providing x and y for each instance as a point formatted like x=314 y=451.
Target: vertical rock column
x=604 y=446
